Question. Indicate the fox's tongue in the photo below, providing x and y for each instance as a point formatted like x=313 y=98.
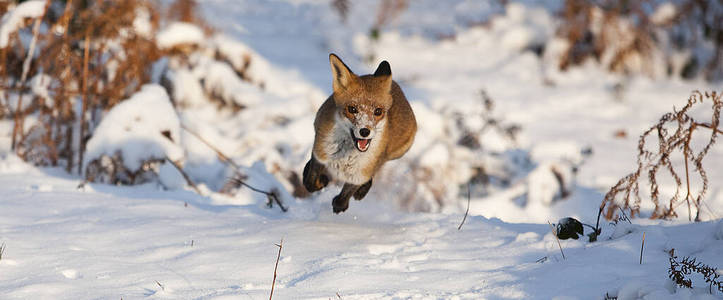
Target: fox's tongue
x=362 y=144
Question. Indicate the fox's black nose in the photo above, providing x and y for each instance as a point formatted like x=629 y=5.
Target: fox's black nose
x=364 y=132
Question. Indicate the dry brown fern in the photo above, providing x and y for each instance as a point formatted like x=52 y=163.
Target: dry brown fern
x=673 y=132
x=187 y=11
x=679 y=270
x=622 y=35
x=90 y=55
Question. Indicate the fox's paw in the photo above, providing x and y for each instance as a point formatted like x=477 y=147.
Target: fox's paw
x=363 y=190
x=314 y=180
x=339 y=205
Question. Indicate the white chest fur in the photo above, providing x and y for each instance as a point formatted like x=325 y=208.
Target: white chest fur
x=344 y=162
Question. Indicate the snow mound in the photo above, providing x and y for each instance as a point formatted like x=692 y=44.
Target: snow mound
x=664 y=13
x=13 y=19
x=142 y=25
x=179 y=33
x=549 y=182
x=187 y=90
x=220 y=80
x=255 y=68
x=523 y=27
x=144 y=127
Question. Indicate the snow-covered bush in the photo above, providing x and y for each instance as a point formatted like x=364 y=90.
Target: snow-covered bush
x=225 y=71
x=134 y=139
x=77 y=60
x=460 y=145
x=672 y=133
x=657 y=38
x=15 y=18
x=523 y=28
x=179 y=34
x=97 y=54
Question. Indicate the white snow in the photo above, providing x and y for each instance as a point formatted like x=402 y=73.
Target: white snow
x=113 y=242
x=135 y=129
x=522 y=27
x=39 y=85
x=13 y=19
x=221 y=80
x=187 y=89
x=142 y=23
x=664 y=13
x=176 y=33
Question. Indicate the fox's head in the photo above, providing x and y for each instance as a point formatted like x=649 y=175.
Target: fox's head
x=362 y=101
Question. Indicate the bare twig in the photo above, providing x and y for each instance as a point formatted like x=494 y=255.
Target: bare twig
x=220 y=154
x=159 y=284
x=2 y=250
x=84 y=87
x=185 y=176
x=641 y=248
x=558 y=240
x=239 y=179
x=18 y=127
x=466 y=212
x=273 y=283
x=272 y=195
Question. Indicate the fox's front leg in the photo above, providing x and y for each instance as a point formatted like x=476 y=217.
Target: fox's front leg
x=363 y=190
x=315 y=175
x=341 y=201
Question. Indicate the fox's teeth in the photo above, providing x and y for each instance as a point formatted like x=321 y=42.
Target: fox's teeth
x=362 y=144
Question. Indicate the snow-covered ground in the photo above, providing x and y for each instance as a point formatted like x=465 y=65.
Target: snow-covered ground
x=107 y=242
x=163 y=240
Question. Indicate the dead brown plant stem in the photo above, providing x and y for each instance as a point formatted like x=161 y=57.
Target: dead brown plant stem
x=673 y=132
x=212 y=147
x=64 y=92
x=272 y=196
x=66 y=17
x=687 y=173
x=278 y=256
x=84 y=87
x=19 y=112
x=641 y=248
x=237 y=168
x=3 y=71
x=709 y=127
x=466 y=212
x=185 y=176
x=558 y=240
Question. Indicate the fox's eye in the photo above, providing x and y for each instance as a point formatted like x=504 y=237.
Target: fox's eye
x=378 y=112
x=351 y=109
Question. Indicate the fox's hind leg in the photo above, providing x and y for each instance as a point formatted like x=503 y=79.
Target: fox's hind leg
x=315 y=175
x=363 y=190
x=341 y=201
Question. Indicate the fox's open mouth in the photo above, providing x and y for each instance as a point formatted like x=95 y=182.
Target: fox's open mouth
x=361 y=144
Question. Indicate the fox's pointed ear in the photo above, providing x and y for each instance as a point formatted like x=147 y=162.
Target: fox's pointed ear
x=342 y=75
x=383 y=69
x=384 y=73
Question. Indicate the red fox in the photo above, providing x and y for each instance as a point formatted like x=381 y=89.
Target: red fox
x=364 y=123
